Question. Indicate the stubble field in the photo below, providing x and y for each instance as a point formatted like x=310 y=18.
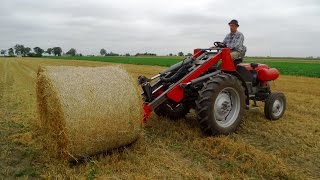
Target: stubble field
x=261 y=149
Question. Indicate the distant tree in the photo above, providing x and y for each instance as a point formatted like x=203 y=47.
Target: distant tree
x=146 y=54
x=3 y=52
x=10 y=52
x=180 y=54
x=26 y=51
x=127 y=54
x=189 y=54
x=19 y=49
x=170 y=54
x=57 y=51
x=49 y=51
x=111 y=54
x=38 y=51
x=80 y=54
x=103 y=52
x=72 y=52
x=31 y=54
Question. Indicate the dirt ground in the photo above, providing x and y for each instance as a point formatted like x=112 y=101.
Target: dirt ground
x=261 y=149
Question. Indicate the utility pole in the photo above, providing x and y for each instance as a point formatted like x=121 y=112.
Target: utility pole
x=270 y=52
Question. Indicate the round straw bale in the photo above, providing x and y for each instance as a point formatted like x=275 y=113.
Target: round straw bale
x=84 y=110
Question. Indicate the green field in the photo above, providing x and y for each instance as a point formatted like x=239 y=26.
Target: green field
x=150 y=60
x=287 y=66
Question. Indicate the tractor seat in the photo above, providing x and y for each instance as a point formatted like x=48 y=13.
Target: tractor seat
x=240 y=59
x=237 y=61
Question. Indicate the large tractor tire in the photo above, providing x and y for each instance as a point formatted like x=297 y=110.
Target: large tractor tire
x=275 y=106
x=172 y=110
x=220 y=105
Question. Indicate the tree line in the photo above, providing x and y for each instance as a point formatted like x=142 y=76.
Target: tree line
x=103 y=52
x=21 y=50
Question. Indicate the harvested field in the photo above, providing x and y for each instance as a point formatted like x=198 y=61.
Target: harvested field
x=261 y=149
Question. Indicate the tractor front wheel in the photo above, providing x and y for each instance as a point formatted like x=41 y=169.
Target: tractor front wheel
x=275 y=106
x=221 y=105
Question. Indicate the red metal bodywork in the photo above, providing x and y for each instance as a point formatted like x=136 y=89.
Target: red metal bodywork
x=268 y=74
x=147 y=112
x=177 y=93
x=249 y=68
x=263 y=71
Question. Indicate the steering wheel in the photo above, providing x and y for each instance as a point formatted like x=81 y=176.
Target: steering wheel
x=219 y=44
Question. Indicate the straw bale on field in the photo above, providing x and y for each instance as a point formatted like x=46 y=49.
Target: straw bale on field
x=85 y=111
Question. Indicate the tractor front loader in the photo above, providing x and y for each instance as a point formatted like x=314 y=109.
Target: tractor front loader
x=215 y=86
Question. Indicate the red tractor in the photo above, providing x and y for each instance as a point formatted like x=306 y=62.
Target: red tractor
x=218 y=88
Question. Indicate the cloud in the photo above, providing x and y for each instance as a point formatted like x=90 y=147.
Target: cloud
x=282 y=28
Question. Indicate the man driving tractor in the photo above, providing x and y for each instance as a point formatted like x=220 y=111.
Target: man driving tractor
x=234 y=41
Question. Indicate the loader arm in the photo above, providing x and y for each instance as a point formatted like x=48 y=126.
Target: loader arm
x=176 y=92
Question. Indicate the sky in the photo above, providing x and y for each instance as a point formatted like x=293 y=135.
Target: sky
x=270 y=27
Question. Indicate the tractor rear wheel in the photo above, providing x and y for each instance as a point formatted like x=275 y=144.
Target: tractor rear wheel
x=172 y=110
x=275 y=106
x=220 y=105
